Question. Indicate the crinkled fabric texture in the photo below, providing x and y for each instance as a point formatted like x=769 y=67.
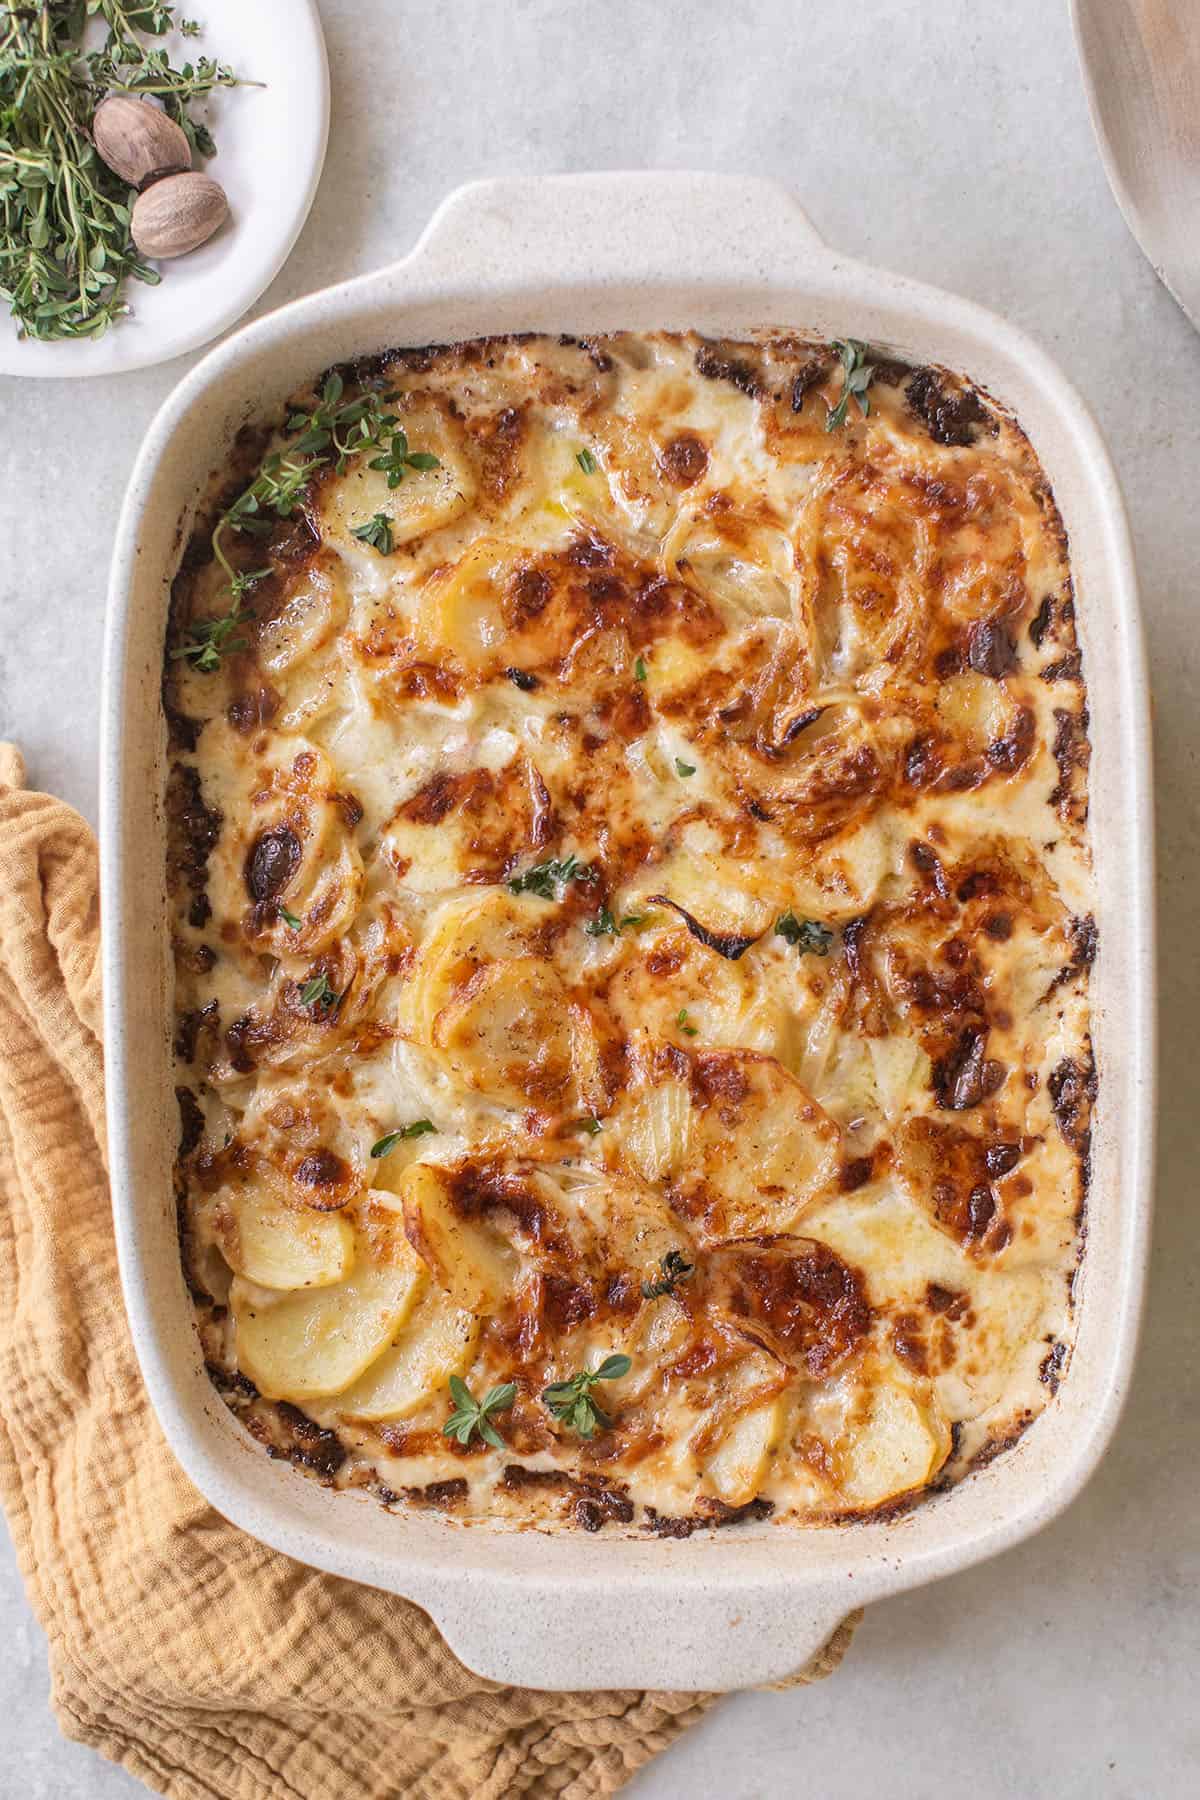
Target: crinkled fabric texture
x=205 y=1663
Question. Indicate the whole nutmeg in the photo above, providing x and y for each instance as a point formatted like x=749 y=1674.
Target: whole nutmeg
x=178 y=214
x=138 y=141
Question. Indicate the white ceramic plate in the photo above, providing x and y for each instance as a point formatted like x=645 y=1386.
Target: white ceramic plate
x=270 y=148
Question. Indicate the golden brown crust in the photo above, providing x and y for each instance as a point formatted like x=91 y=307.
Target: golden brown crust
x=683 y=817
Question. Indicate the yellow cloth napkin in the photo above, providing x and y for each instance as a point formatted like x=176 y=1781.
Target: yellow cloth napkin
x=205 y=1663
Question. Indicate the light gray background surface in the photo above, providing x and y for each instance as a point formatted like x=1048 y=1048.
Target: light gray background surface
x=949 y=141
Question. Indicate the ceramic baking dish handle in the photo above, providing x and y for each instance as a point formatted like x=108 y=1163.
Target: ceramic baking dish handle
x=553 y=229
x=725 y=1635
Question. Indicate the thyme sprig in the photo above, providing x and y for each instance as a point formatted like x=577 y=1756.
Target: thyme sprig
x=675 y=1268
x=572 y=1401
x=317 y=994
x=471 y=1415
x=211 y=639
x=606 y=923
x=398 y=457
x=807 y=935
x=376 y=531
x=545 y=878
x=857 y=376
x=333 y=432
x=66 y=249
x=418 y=1128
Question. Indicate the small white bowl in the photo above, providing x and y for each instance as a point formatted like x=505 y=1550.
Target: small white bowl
x=270 y=148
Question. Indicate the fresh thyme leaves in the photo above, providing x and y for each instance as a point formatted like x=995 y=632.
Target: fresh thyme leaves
x=318 y=994
x=684 y=769
x=806 y=934
x=587 y=462
x=347 y=427
x=606 y=925
x=66 y=249
x=591 y=1126
x=398 y=457
x=857 y=376
x=377 y=532
x=675 y=1268
x=471 y=1415
x=335 y=430
x=546 y=877
x=289 y=918
x=418 y=1128
x=681 y=1022
x=640 y=670
x=571 y=1401
x=211 y=639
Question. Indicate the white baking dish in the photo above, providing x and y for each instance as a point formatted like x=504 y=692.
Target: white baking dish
x=582 y=254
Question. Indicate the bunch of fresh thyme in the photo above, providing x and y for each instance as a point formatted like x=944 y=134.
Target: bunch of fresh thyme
x=65 y=246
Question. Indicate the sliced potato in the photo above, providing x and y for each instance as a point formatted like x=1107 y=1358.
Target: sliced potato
x=302 y=855
x=974 y=709
x=1008 y=1308
x=316 y=1341
x=283 y=1246
x=466 y=826
x=793 y=1297
x=496 y=1015
x=468 y=1262
x=639 y=1229
x=737 y=1468
x=944 y=1169
x=729 y=896
x=656 y=1125
x=659 y=1334
x=746 y=570
x=558 y=495
x=761 y=1149
x=852 y=870
x=437 y=1342
x=465 y=936
x=313 y=615
x=902 y=1072
x=898 y=1447
x=463 y=610
x=509 y=1032
x=745 y=1148
x=848 y=1087
x=727 y=1002
x=424 y=501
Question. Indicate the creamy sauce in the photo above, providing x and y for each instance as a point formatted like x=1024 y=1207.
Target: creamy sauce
x=789 y=724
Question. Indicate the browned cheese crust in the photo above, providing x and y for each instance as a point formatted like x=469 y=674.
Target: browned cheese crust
x=677 y=812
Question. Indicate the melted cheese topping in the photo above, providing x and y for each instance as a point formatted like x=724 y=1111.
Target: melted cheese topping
x=774 y=1074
